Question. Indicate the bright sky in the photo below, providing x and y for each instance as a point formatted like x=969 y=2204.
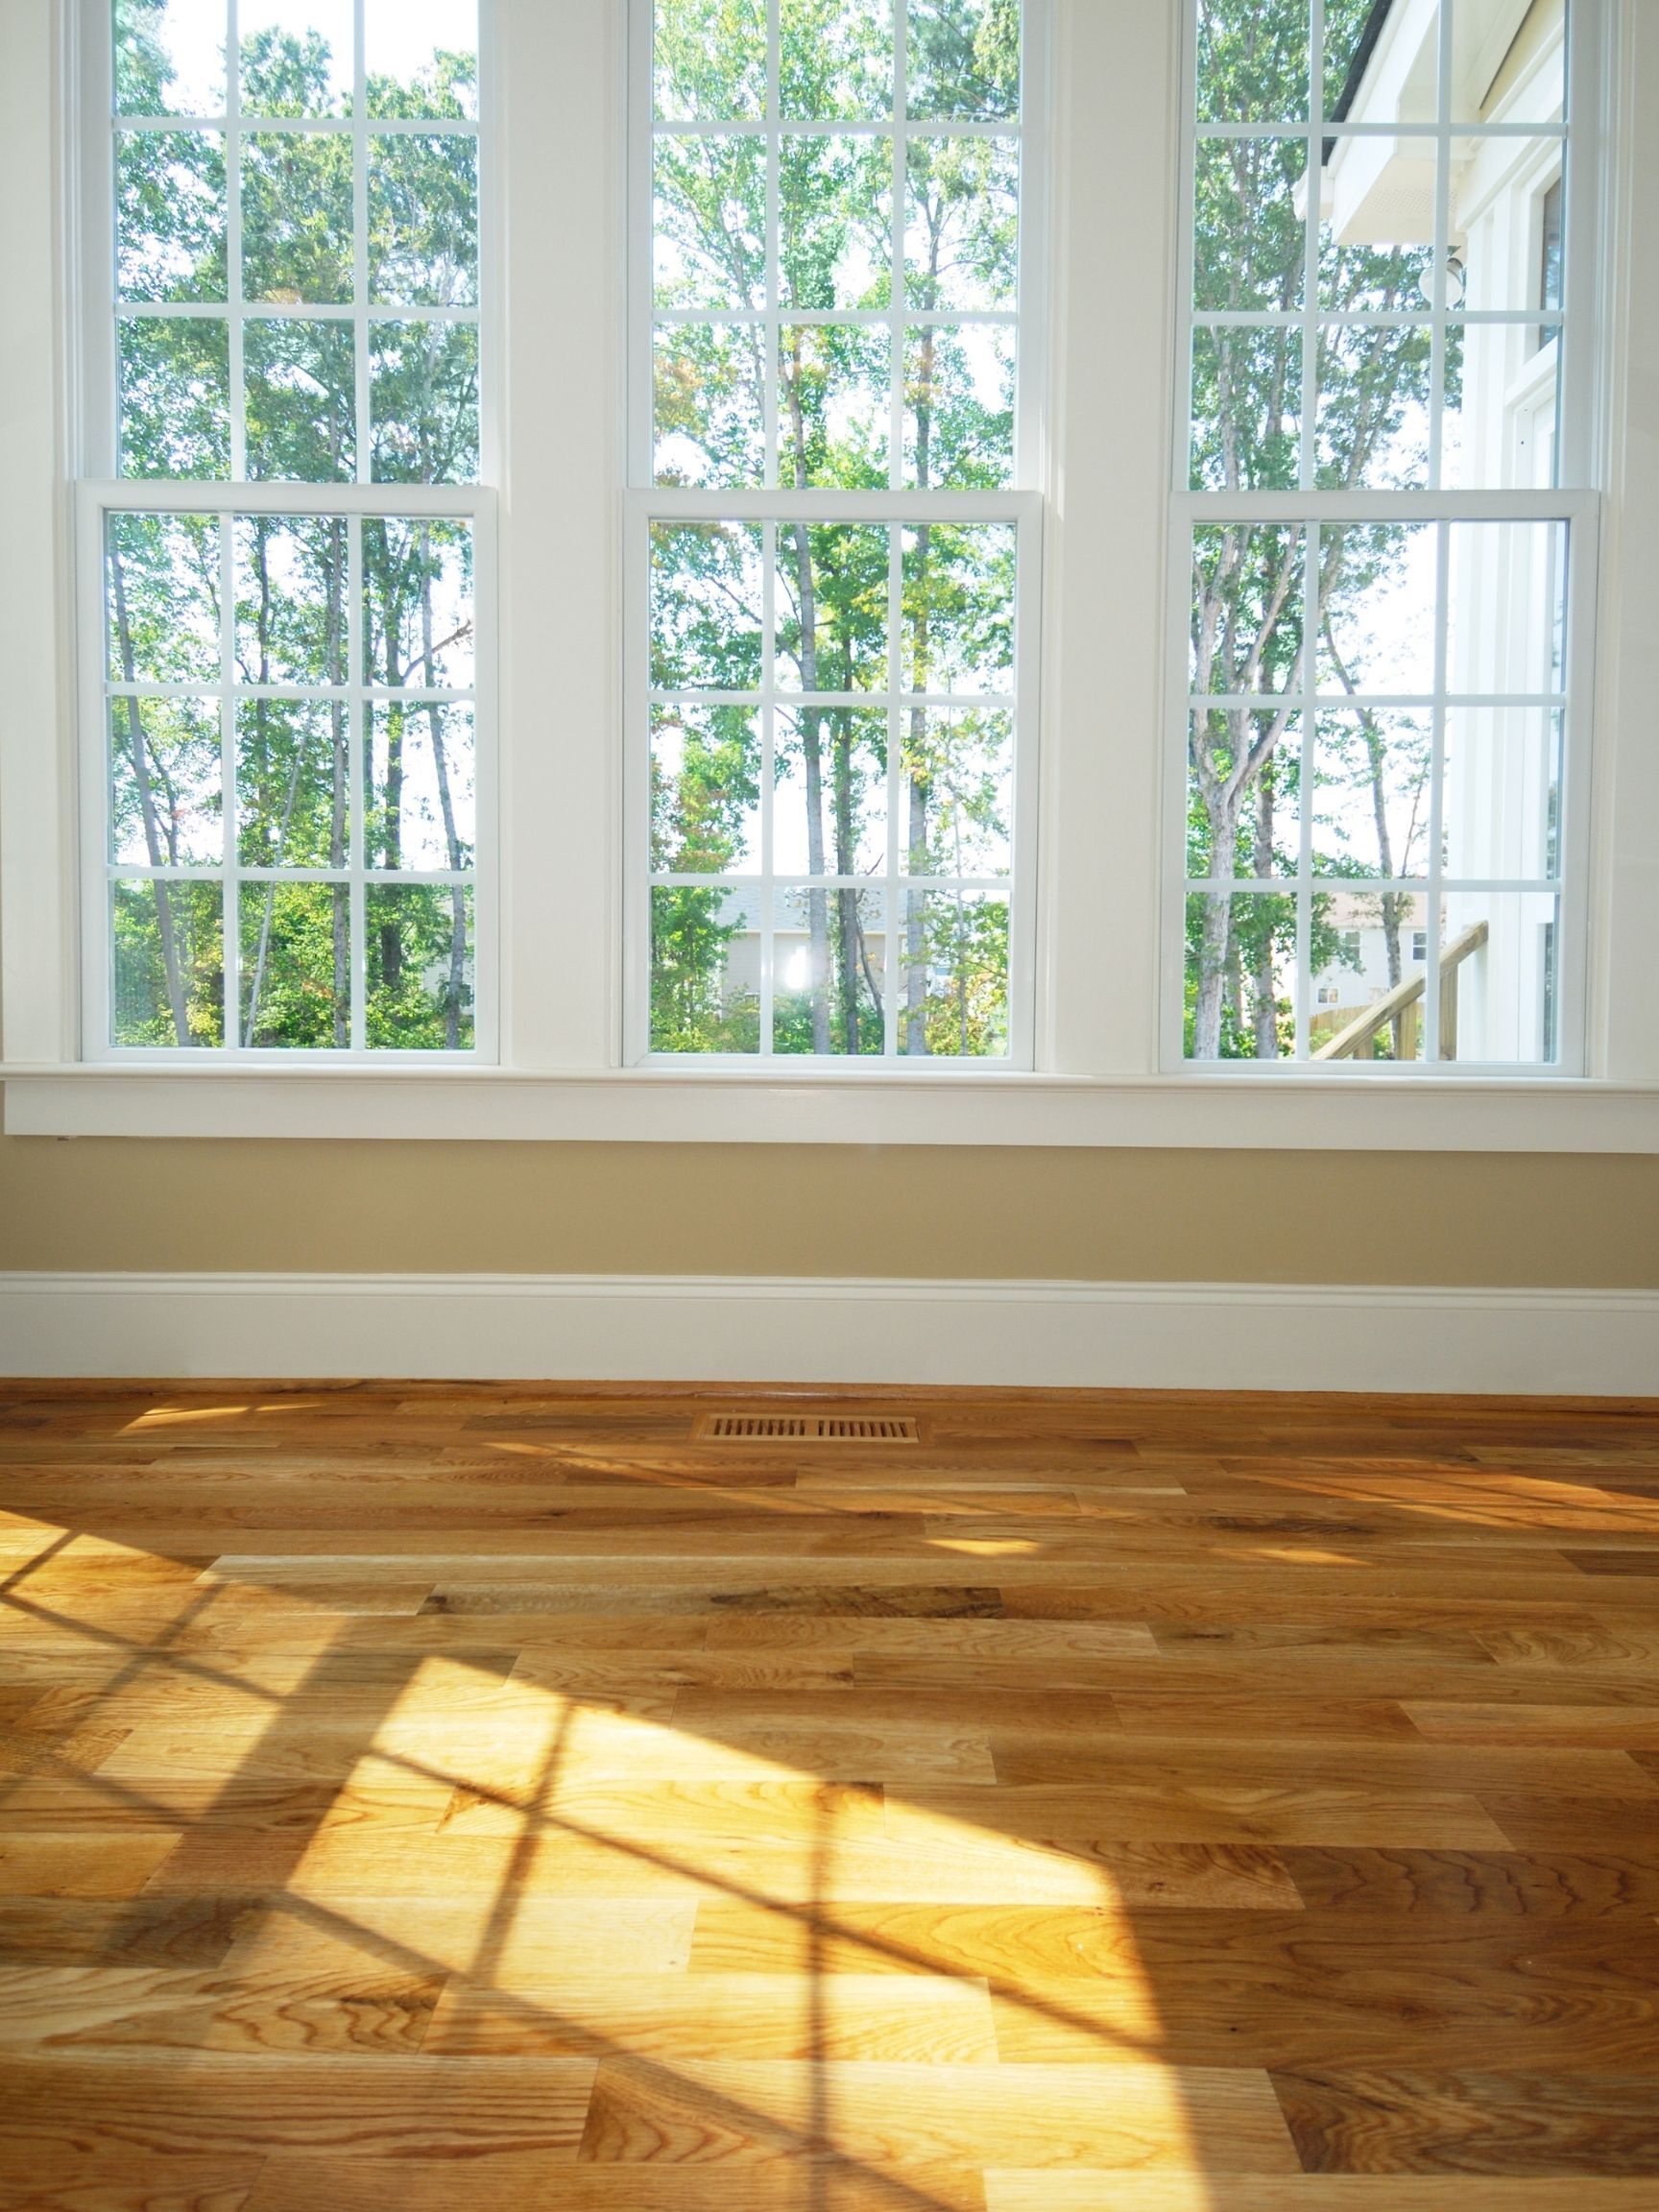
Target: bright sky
x=400 y=36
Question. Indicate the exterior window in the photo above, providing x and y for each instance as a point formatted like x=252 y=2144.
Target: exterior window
x=287 y=552
x=835 y=547
x=1382 y=561
x=1552 y=209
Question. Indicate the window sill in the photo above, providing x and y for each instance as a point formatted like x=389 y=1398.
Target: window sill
x=1269 y=1112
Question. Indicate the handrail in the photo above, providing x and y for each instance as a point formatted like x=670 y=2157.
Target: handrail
x=1353 y=1042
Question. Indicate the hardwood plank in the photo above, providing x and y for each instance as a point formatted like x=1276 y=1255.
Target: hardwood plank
x=1538 y=1886
x=1405 y=2120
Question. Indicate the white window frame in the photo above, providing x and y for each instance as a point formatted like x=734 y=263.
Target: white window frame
x=648 y=503
x=1098 y=1077
x=101 y=494
x=1579 y=509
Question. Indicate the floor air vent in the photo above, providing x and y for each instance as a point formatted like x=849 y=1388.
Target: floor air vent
x=808 y=1428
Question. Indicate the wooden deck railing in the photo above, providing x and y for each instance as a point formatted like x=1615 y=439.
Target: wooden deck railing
x=1403 y=1005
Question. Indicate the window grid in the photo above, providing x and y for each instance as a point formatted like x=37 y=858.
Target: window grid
x=1313 y=507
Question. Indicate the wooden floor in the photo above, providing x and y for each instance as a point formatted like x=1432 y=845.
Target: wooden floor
x=418 y=1798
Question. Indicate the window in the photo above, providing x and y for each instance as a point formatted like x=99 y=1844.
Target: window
x=1382 y=559
x=836 y=542
x=287 y=559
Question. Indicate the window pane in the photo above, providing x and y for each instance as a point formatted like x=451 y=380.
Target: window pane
x=1245 y=793
x=957 y=787
x=953 y=976
x=296 y=967
x=959 y=393
x=292 y=589
x=710 y=408
x=417 y=605
x=1502 y=808
x=420 y=796
x=1377 y=240
x=1502 y=407
x=1374 y=394
x=835 y=222
x=421 y=61
x=421 y=980
x=960 y=600
x=292 y=784
x=705 y=790
x=706 y=598
x=709 y=59
x=1499 y=977
x=167 y=964
x=833 y=605
x=424 y=403
x=1252 y=61
x=1379 y=611
x=1370 y=965
x=1240 y=976
x=1247 y=410
x=1381 y=71
x=829 y=955
x=297 y=218
x=835 y=407
x=170 y=57
x=300 y=380
x=1247 y=594
x=830 y=792
x=962 y=225
x=170 y=215
x=297 y=57
x=1249 y=241
x=836 y=58
x=710 y=224
x=963 y=59
x=174 y=377
x=1372 y=799
x=162 y=598
x=1508 y=606
x=166 y=784
x=423 y=221
x=705 y=967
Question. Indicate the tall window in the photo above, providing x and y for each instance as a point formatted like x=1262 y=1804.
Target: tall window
x=1383 y=565
x=834 y=554
x=284 y=555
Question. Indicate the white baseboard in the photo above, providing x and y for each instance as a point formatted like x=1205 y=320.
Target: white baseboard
x=1125 y=1335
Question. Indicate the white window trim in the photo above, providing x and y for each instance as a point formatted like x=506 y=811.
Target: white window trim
x=560 y=598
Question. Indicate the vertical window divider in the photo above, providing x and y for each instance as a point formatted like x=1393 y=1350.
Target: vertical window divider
x=1436 y=870
x=231 y=862
x=1311 y=619
x=768 y=916
x=897 y=920
x=356 y=673
x=773 y=369
x=360 y=322
x=1310 y=300
x=234 y=287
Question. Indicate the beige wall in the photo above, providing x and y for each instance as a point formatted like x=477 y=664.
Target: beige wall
x=632 y=1209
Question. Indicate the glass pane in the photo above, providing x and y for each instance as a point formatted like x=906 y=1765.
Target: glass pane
x=1249 y=247
x=953 y=976
x=299 y=56
x=835 y=405
x=167 y=964
x=1508 y=606
x=829 y=965
x=1377 y=239
x=1502 y=806
x=1372 y=780
x=1370 y=961
x=707 y=598
x=1247 y=592
x=959 y=395
x=421 y=61
x=709 y=59
x=963 y=59
x=1247 y=410
x=956 y=792
x=170 y=57
x=1511 y=69
x=296 y=243
x=421 y=967
x=836 y=58
x=1501 y=977
x=162 y=598
x=174 y=397
x=1502 y=407
x=424 y=403
x=296 y=967
x=1374 y=398
x=170 y=215
x=705 y=790
x=962 y=225
x=1383 y=66
x=832 y=604
x=959 y=597
x=292 y=784
x=301 y=392
x=1240 y=976
x=830 y=792
x=705 y=960
x=417 y=605
x=419 y=786
x=166 y=804
x=1245 y=793
x=710 y=411
x=423 y=221
x=1252 y=61
x=836 y=197
x=710 y=223
x=1379 y=613
x=292 y=591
